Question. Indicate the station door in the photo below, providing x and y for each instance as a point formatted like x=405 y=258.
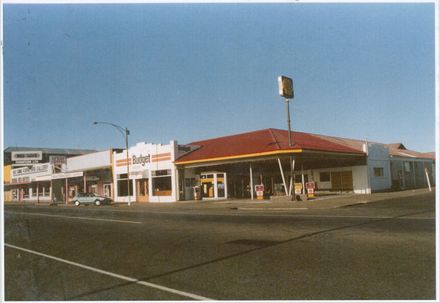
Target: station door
x=342 y=180
x=142 y=190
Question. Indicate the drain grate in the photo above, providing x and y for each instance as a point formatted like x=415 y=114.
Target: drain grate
x=254 y=242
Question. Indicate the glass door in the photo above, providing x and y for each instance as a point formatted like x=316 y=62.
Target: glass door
x=213 y=185
x=221 y=186
x=142 y=190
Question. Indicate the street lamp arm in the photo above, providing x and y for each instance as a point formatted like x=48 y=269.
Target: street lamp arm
x=122 y=130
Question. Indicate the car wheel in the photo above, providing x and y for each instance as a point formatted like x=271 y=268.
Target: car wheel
x=97 y=202
x=77 y=203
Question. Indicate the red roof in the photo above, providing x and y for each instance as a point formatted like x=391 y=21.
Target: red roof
x=261 y=141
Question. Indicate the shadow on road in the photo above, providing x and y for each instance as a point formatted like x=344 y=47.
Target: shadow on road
x=262 y=245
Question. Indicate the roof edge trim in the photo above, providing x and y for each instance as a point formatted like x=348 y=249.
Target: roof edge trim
x=241 y=156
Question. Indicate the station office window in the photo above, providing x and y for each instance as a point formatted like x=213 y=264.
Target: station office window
x=324 y=176
x=161 y=180
x=122 y=185
x=378 y=171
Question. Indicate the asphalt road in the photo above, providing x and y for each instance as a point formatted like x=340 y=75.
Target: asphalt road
x=383 y=250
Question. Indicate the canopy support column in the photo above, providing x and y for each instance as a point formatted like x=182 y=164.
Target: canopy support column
x=85 y=182
x=282 y=176
x=251 y=182
x=302 y=180
x=67 y=191
x=292 y=178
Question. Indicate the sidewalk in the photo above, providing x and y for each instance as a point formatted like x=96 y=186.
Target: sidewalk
x=335 y=201
x=279 y=204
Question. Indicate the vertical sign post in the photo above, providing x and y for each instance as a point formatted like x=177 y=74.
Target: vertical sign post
x=285 y=89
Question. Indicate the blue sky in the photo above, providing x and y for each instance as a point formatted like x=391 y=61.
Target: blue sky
x=196 y=71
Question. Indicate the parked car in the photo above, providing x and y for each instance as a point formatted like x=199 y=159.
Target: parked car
x=90 y=198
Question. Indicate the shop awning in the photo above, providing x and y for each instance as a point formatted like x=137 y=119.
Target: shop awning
x=67 y=175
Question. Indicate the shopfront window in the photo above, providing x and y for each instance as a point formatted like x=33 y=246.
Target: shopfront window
x=378 y=171
x=26 y=193
x=34 y=190
x=122 y=186
x=324 y=176
x=162 y=184
x=43 y=189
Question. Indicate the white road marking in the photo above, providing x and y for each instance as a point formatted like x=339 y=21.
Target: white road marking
x=70 y=217
x=273 y=208
x=104 y=272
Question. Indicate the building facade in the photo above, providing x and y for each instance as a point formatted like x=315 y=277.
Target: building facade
x=265 y=159
x=152 y=175
x=244 y=165
x=28 y=156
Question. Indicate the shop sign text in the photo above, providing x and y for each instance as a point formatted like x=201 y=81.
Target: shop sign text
x=20 y=180
x=37 y=169
x=141 y=159
x=26 y=155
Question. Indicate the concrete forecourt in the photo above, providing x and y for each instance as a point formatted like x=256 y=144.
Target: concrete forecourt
x=367 y=247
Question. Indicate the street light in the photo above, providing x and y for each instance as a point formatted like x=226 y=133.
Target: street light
x=125 y=132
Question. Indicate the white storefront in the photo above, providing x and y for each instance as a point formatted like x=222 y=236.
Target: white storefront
x=96 y=173
x=32 y=183
x=153 y=175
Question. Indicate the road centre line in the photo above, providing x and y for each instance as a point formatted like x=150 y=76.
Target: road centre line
x=70 y=217
x=114 y=275
x=246 y=214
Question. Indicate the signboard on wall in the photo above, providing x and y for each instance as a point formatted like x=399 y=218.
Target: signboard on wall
x=27 y=156
x=20 y=180
x=67 y=175
x=24 y=158
x=36 y=169
x=57 y=160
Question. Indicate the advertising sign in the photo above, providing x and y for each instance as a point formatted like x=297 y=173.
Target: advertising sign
x=20 y=180
x=310 y=189
x=310 y=185
x=298 y=188
x=285 y=87
x=67 y=175
x=36 y=169
x=259 y=189
x=57 y=160
x=27 y=156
